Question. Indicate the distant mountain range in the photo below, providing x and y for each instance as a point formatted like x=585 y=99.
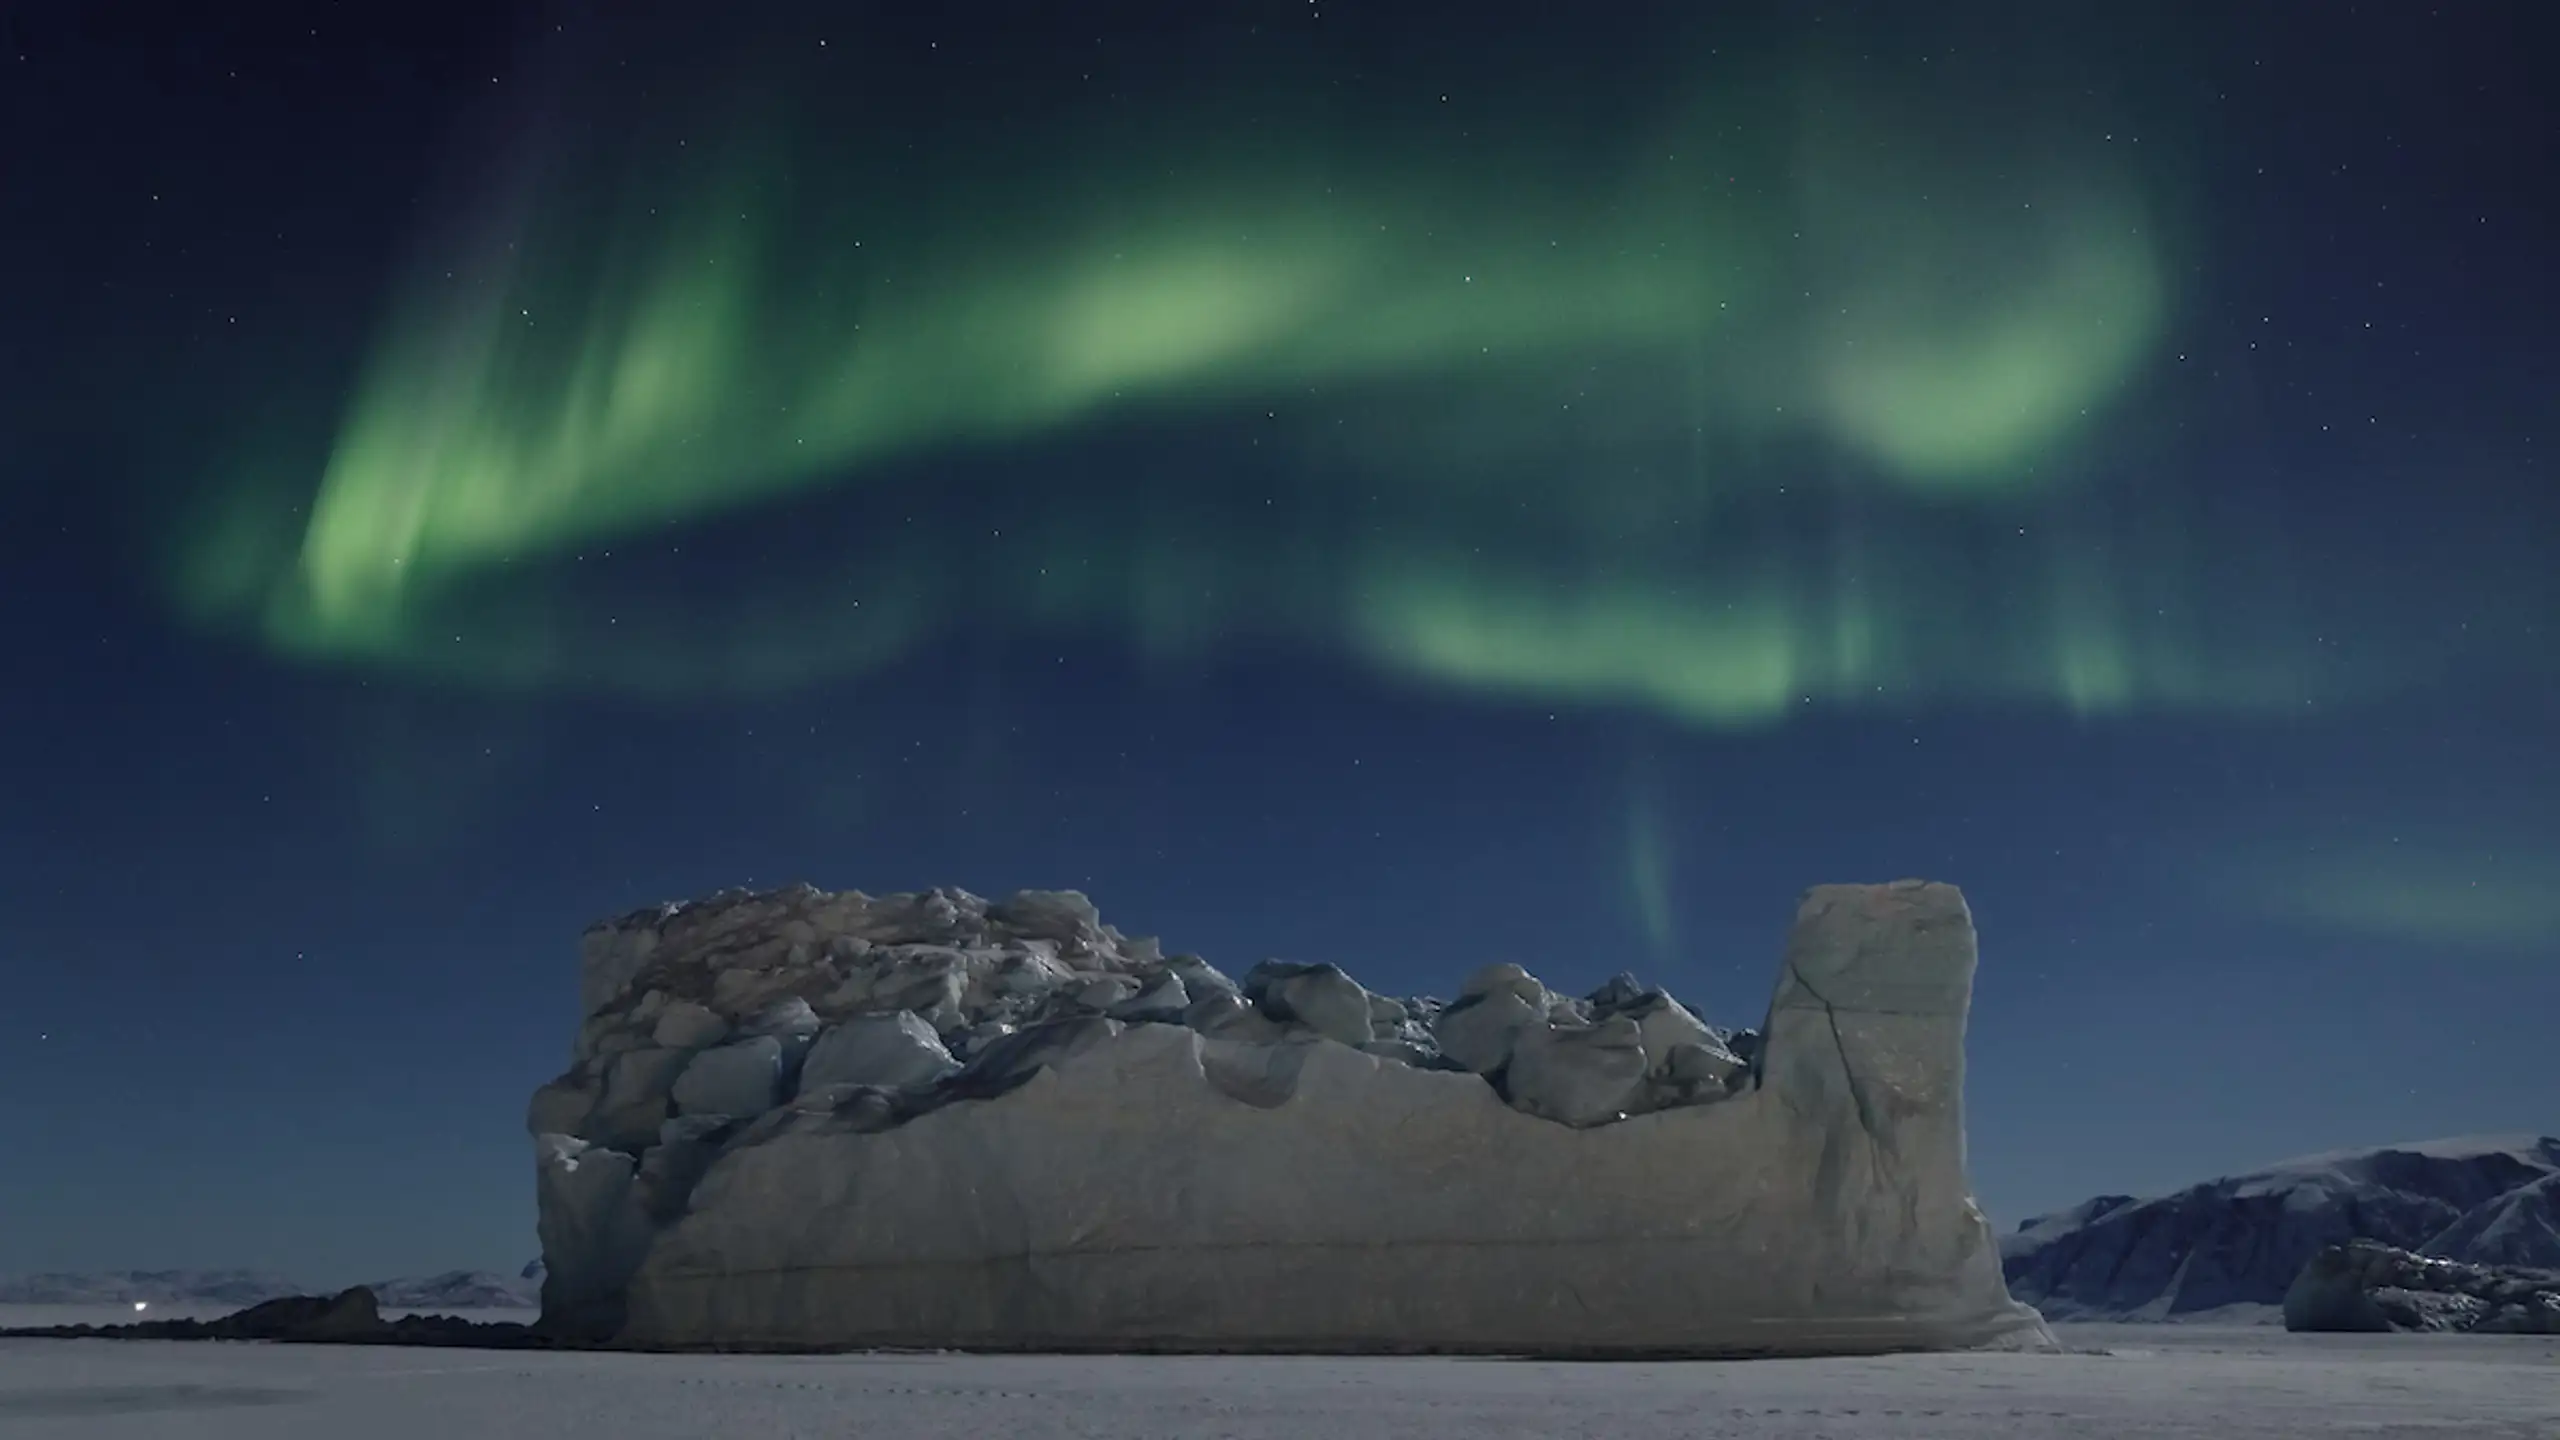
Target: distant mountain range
x=2229 y=1248
x=160 y=1287
x=458 y=1290
x=453 y=1290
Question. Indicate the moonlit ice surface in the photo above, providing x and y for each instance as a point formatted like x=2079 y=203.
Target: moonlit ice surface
x=2120 y=1383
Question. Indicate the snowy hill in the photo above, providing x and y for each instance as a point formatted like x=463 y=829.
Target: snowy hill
x=457 y=1290
x=221 y=1289
x=2238 y=1242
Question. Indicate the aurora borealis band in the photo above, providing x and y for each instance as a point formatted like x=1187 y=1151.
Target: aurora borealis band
x=1393 y=482
x=1711 y=413
x=1782 y=384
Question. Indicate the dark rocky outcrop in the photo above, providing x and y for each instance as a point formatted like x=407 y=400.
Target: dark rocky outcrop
x=349 y=1317
x=2364 y=1287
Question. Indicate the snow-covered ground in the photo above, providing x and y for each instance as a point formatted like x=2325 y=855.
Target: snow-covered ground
x=2120 y=1382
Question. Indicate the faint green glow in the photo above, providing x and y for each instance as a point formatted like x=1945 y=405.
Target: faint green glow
x=1751 y=648
x=1954 y=348
x=2469 y=897
x=1649 y=867
x=479 y=437
x=1549 y=401
x=1601 y=641
x=1951 y=400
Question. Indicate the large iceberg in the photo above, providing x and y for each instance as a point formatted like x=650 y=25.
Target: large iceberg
x=799 y=1119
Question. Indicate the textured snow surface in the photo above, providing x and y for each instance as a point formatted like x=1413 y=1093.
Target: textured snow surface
x=2118 y=1384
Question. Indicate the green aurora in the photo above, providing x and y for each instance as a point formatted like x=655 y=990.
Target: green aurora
x=1747 y=412
x=2442 y=887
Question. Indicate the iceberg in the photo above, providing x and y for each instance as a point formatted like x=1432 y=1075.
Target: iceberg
x=808 y=1120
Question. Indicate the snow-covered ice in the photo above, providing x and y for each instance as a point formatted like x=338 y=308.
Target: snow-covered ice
x=2118 y=1383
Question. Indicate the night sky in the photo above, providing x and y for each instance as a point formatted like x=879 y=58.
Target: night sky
x=1405 y=485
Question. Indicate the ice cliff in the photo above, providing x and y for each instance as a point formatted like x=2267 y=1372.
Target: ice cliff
x=809 y=1120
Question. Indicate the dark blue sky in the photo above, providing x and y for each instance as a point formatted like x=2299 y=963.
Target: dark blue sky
x=289 y=924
